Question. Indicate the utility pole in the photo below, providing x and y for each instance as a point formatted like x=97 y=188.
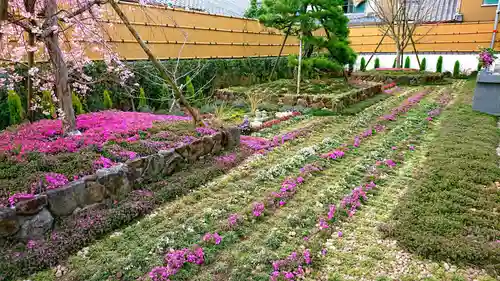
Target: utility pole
x=495 y=28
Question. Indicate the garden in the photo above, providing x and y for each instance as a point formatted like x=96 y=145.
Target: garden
x=244 y=169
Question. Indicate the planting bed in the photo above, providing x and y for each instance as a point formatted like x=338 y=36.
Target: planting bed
x=36 y=157
x=288 y=86
x=318 y=199
x=401 y=77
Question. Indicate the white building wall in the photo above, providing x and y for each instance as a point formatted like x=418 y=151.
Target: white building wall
x=468 y=62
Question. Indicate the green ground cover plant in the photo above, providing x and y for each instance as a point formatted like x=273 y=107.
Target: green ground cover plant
x=451 y=209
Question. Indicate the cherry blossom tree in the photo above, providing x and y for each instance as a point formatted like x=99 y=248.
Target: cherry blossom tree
x=59 y=34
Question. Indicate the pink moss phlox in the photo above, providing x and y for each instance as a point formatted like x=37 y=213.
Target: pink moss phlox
x=203 y=131
x=331 y=212
x=214 y=238
x=233 y=220
x=19 y=197
x=225 y=159
x=323 y=224
x=103 y=162
x=291 y=267
x=97 y=128
x=390 y=163
x=336 y=154
x=258 y=209
x=175 y=260
x=357 y=141
x=273 y=122
x=405 y=106
x=55 y=180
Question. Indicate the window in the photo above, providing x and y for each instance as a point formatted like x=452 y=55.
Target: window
x=490 y=2
x=355 y=6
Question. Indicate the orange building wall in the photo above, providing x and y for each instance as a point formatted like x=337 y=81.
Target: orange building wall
x=473 y=10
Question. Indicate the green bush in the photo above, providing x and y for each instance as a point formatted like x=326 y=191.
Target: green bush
x=142 y=98
x=16 y=111
x=108 y=103
x=48 y=107
x=363 y=64
x=191 y=93
x=447 y=212
x=212 y=75
x=407 y=62
x=423 y=64
x=377 y=63
x=456 y=69
x=439 y=65
x=77 y=104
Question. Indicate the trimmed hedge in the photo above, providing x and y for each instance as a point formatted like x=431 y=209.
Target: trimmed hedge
x=451 y=210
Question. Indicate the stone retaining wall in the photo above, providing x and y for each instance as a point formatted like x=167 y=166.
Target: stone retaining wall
x=333 y=102
x=33 y=218
x=408 y=79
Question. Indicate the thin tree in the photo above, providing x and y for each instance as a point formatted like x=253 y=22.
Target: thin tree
x=164 y=73
x=401 y=19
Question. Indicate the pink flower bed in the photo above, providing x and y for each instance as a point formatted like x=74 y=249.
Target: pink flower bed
x=97 y=128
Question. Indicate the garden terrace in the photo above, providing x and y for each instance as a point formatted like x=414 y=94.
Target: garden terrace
x=400 y=76
x=333 y=94
x=287 y=87
x=52 y=195
x=316 y=200
x=31 y=151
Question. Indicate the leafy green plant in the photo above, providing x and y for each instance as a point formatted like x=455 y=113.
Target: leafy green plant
x=407 y=62
x=456 y=69
x=16 y=111
x=142 y=98
x=377 y=63
x=423 y=64
x=108 y=103
x=439 y=64
x=77 y=104
x=362 y=66
x=48 y=107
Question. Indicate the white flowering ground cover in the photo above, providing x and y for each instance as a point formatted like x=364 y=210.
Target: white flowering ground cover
x=314 y=208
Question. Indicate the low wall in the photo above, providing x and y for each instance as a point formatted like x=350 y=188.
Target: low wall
x=33 y=218
x=416 y=78
x=333 y=102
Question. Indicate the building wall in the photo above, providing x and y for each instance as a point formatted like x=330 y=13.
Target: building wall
x=474 y=10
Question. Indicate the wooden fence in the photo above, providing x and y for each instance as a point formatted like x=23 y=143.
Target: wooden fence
x=188 y=34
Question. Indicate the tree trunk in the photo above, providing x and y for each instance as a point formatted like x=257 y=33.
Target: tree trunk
x=281 y=51
x=163 y=72
x=398 y=56
x=29 y=5
x=31 y=63
x=61 y=75
x=4 y=7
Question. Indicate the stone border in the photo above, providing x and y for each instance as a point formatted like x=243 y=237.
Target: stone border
x=332 y=102
x=409 y=79
x=33 y=218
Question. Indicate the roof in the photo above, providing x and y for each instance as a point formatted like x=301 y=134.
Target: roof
x=440 y=11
